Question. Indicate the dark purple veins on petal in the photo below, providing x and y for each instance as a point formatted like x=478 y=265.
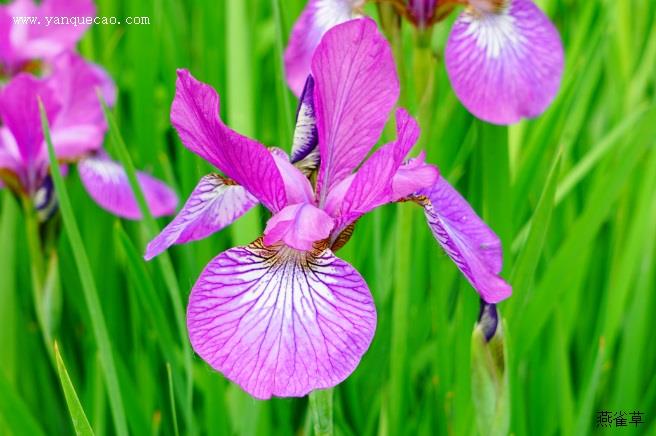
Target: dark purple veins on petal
x=280 y=322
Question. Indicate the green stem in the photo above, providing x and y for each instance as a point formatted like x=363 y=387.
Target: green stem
x=38 y=272
x=281 y=89
x=321 y=405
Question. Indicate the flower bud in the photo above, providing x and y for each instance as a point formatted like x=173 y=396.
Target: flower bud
x=490 y=389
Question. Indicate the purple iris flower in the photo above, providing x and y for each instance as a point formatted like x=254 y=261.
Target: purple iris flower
x=504 y=57
x=284 y=316
x=23 y=44
x=78 y=129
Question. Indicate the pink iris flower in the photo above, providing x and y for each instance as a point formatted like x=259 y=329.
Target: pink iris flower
x=284 y=315
x=23 y=44
x=68 y=88
x=504 y=58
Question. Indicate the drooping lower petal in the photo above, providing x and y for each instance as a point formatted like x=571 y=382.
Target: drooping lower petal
x=195 y=115
x=298 y=226
x=317 y=17
x=279 y=322
x=471 y=244
x=213 y=204
x=356 y=87
x=107 y=183
x=505 y=64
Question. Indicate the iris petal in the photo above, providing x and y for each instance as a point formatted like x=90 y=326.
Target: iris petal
x=195 y=115
x=42 y=41
x=505 y=65
x=107 y=183
x=214 y=204
x=280 y=322
x=471 y=244
x=306 y=137
x=317 y=17
x=80 y=124
x=356 y=87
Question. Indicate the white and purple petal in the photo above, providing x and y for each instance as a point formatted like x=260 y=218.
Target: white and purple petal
x=213 y=204
x=306 y=136
x=471 y=244
x=356 y=87
x=195 y=115
x=317 y=18
x=107 y=183
x=280 y=322
x=505 y=64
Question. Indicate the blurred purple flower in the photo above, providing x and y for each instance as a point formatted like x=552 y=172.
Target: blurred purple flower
x=315 y=20
x=77 y=128
x=284 y=316
x=21 y=44
x=504 y=57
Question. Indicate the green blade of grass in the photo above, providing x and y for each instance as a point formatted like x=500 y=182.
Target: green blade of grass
x=550 y=288
x=145 y=291
x=15 y=412
x=164 y=261
x=88 y=285
x=172 y=399
x=79 y=418
x=281 y=90
x=522 y=276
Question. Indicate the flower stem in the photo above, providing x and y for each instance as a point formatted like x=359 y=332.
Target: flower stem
x=38 y=272
x=321 y=405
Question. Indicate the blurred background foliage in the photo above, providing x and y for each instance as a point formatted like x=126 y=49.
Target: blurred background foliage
x=572 y=195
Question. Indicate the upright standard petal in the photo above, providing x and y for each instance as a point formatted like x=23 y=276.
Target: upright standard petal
x=214 y=204
x=80 y=125
x=505 y=64
x=59 y=30
x=355 y=89
x=373 y=184
x=195 y=115
x=470 y=243
x=281 y=322
x=317 y=17
x=108 y=185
